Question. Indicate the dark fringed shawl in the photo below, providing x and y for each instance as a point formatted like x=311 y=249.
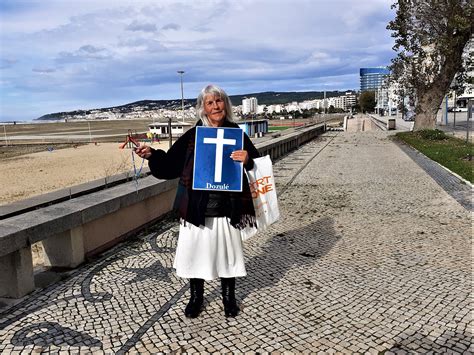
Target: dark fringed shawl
x=190 y=204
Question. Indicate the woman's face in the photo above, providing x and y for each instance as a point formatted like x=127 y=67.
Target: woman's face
x=214 y=107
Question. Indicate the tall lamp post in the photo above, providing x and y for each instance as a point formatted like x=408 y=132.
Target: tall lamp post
x=180 y=72
x=470 y=105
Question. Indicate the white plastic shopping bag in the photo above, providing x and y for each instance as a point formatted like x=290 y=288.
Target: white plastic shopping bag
x=262 y=187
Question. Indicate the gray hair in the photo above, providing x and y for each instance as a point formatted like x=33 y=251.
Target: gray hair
x=217 y=91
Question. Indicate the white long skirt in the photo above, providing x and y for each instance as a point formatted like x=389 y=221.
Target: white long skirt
x=210 y=251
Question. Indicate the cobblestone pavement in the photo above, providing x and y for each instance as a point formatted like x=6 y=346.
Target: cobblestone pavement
x=461 y=192
x=371 y=255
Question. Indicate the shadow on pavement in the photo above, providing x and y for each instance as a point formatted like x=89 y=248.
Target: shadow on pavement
x=50 y=333
x=284 y=251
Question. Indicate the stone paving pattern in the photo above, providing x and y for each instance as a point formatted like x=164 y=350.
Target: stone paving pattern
x=371 y=255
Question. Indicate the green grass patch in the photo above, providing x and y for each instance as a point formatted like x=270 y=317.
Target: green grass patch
x=453 y=153
x=277 y=128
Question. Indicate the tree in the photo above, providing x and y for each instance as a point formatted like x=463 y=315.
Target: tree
x=433 y=41
x=332 y=109
x=367 y=101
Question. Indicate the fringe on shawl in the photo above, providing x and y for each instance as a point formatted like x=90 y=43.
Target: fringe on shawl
x=246 y=220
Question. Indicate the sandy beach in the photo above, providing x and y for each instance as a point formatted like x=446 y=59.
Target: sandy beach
x=37 y=173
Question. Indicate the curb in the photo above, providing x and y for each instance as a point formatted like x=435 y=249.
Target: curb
x=468 y=183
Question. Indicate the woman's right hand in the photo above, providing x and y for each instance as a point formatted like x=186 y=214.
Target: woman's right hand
x=143 y=151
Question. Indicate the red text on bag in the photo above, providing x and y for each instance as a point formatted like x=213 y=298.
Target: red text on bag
x=261 y=186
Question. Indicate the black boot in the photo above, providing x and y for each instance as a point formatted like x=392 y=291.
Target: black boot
x=195 y=302
x=228 y=297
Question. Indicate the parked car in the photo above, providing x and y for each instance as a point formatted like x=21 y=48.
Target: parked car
x=457 y=109
x=409 y=116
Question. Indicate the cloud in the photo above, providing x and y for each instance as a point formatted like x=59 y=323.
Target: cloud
x=84 y=53
x=117 y=51
x=90 y=49
x=7 y=63
x=171 y=26
x=43 y=70
x=136 y=26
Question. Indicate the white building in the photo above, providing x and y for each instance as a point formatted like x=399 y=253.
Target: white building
x=386 y=99
x=294 y=106
x=261 y=109
x=318 y=104
x=274 y=108
x=339 y=102
x=310 y=104
x=249 y=105
x=351 y=99
x=161 y=129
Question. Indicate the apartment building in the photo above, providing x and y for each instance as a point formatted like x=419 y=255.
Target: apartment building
x=249 y=105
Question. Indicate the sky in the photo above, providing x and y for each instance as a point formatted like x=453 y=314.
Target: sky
x=64 y=55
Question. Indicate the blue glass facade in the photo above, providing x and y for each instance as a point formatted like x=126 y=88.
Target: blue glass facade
x=372 y=78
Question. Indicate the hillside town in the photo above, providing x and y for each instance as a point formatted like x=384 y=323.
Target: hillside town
x=157 y=112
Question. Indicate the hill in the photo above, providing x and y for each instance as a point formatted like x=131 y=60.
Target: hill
x=134 y=109
x=274 y=97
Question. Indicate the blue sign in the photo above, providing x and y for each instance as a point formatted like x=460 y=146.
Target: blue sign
x=214 y=169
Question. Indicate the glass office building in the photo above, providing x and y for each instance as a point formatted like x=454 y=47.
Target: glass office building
x=371 y=79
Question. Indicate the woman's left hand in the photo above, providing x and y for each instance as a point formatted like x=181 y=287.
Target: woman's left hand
x=240 y=155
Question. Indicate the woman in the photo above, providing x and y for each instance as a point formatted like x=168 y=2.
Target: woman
x=209 y=243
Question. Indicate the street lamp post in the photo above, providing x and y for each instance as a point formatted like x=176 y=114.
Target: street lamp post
x=470 y=105
x=324 y=106
x=446 y=111
x=180 y=72
x=169 y=131
x=454 y=112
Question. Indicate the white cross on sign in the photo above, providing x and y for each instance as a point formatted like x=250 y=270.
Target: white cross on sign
x=219 y=142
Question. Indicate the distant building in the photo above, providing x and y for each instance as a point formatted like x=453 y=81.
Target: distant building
x=294 y=106
x=161 y=129
x=261 y=109
x=462 y=101
x=351 y=100
x=307 y=105
x=317 y=104
x=339 y=102
x=387 y=98
x=382 y=100
x=274 y=108
x=254 y=128
x=372 y=79
x=249 y=105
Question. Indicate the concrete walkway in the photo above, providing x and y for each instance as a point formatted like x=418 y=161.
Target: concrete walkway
x=371 y=255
